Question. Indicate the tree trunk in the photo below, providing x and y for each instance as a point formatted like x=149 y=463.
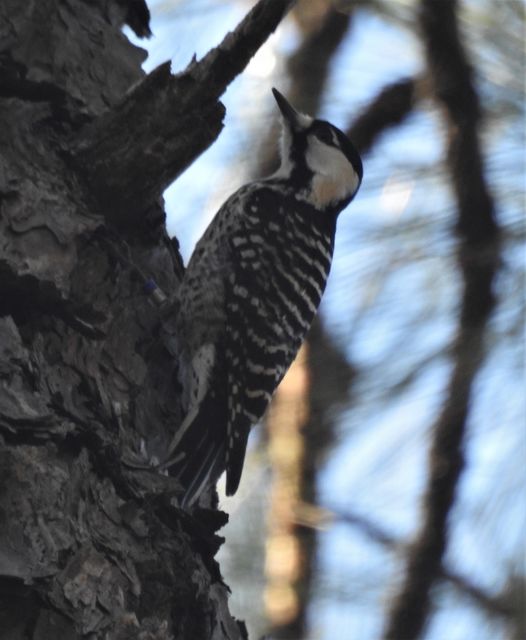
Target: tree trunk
x=88 y=356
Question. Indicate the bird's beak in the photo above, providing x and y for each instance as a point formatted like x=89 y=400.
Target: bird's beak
x=294 y=119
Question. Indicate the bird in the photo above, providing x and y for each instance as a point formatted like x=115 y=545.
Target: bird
x=250 y=292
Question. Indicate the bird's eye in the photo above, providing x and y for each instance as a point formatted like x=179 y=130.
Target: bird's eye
x=324 y=135
x=327 y=136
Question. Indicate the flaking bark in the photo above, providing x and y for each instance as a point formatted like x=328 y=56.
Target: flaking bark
x=88 y=363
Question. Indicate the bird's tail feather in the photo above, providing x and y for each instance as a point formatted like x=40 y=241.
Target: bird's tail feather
x=197 y=453
x=235 y=458
x=207 y=474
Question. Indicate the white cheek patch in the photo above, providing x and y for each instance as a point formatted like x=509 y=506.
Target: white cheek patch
x=334 y=177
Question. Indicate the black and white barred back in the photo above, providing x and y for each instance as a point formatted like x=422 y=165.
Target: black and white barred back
x=250 y=293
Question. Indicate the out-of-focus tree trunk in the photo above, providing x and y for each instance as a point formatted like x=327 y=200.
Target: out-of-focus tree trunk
x=88 y=360
x=300 y=424
x=478 y=259
x=298 y=427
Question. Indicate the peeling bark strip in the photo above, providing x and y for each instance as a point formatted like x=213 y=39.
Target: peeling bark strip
x=478 y=258
x=87 y=364
x=134 y=151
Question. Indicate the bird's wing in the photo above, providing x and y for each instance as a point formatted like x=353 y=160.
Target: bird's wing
x=196 y=455
x=260 y=342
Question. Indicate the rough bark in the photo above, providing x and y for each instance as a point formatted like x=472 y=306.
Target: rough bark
x=88 y=360
x=136 y=149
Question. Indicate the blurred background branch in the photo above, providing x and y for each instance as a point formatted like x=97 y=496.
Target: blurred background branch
x=310 y=515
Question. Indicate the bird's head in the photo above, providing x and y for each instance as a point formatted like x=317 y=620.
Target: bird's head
x=318 y=158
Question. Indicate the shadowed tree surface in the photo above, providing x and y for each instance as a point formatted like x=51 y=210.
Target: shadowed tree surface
x=88 y=546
